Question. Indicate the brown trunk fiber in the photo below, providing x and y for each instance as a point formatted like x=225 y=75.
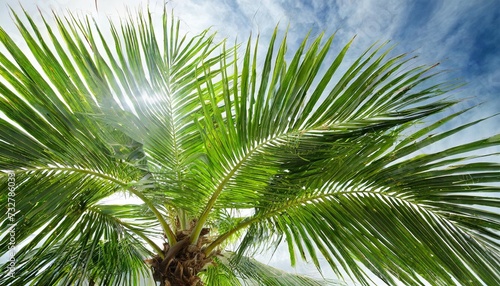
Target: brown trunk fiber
x=182 y=262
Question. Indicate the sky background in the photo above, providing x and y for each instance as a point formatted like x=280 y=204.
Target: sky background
x=462 y=36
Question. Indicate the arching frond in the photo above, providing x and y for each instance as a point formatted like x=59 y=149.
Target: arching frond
x=338 y=176
x=88 y=114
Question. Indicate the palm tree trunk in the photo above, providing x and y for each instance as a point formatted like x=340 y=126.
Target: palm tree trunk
x=183 y=261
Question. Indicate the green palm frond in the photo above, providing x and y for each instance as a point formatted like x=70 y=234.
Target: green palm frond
x=71 y=249
x=329 y=176
x=61 y=145
x=328 y=157
x=402 y=215
x=233 y=270
x=259 y=143
x=220 y=274
x=257 y=132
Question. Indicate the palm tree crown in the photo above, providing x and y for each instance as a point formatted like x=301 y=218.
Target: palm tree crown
x=328 y=162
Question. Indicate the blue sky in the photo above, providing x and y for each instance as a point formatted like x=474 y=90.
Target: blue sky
x=462 y=35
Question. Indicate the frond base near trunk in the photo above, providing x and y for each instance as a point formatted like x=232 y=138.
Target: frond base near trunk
x=182 y=262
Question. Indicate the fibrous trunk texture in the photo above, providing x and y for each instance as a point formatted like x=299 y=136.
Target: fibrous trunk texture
x=183 y=261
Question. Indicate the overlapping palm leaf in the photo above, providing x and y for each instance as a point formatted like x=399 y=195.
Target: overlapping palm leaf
x=330 y=177
x=328 y=158
x=71 y=141
x=235 y=270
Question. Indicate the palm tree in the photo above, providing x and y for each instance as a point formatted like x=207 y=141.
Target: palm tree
x=226 y=150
